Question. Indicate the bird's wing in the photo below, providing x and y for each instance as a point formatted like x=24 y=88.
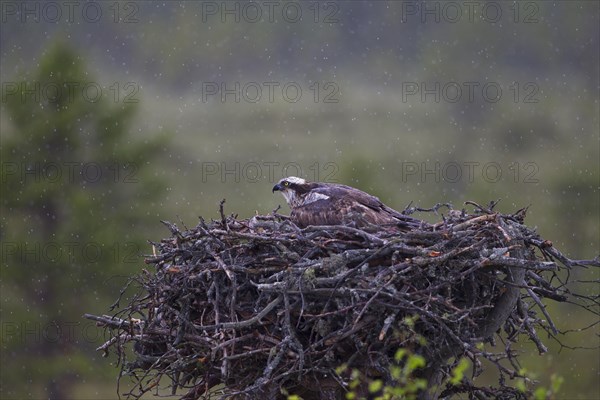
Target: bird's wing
x=319 y=212
x=339 y=192
x=347 y=194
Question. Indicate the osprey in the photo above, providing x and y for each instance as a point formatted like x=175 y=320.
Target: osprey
x=318 y=203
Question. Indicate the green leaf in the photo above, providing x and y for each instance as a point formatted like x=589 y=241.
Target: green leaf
x=459 y=371
x=395 y=372
x=415 y=361
x=556 y=382
x=540 y=394
x=341 y=369
x=375 y=386
x=400 y=354
x=520 y=385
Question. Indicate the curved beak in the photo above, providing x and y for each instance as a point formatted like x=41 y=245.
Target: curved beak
x=276 y=187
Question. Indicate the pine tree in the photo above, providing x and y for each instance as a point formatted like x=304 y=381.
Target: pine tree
x=77 y=190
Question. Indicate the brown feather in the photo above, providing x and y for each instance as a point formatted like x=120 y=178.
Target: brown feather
x=345 y=205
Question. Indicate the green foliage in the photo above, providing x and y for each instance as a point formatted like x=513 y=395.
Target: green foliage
x=405 y=384
x=76 y=194
x=458 y=372
x=527 y=379
x=556 y=382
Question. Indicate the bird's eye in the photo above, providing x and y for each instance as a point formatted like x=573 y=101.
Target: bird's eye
x=286 y=183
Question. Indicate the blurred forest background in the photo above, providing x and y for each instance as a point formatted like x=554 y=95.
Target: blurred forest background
x=151 y=111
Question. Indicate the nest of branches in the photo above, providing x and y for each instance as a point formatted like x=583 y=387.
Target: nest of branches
x=256 y=308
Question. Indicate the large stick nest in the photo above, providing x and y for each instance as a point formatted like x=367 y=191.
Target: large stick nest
x=257 y=307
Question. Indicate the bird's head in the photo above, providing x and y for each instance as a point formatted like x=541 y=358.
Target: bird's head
x=292 y=188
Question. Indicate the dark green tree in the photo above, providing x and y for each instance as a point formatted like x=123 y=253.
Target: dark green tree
x=77 y=195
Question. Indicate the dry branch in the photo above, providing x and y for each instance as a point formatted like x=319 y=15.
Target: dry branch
x=259 y=305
